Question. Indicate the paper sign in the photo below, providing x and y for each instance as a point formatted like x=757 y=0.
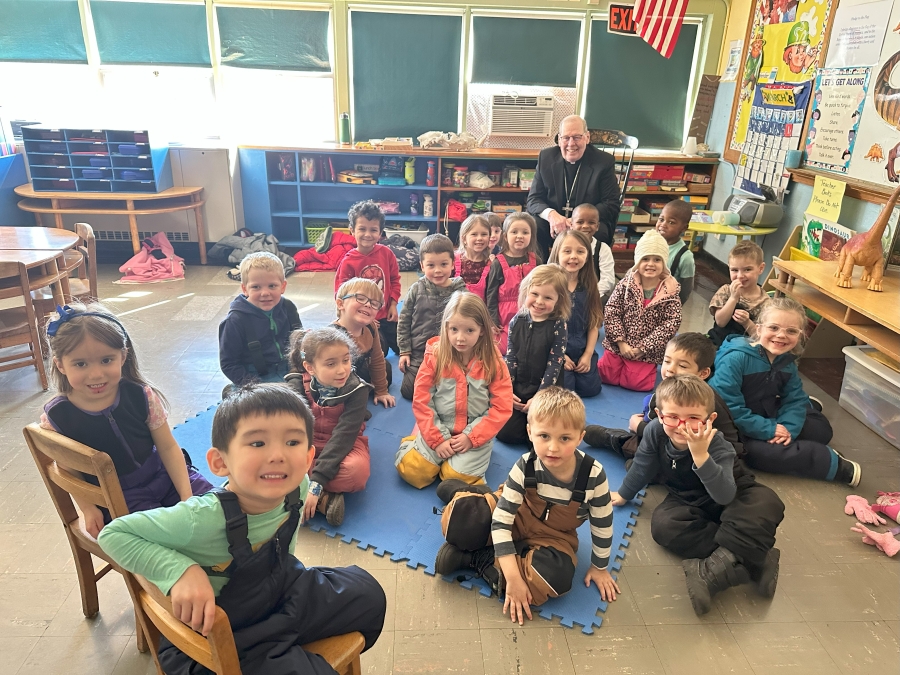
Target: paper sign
x=857 y=34
x=621 y=20
x=706 y=98
x=836 y=113
x=734 y=61
x=828 y=194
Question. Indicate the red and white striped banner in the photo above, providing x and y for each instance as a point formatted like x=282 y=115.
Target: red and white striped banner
x=659 y=23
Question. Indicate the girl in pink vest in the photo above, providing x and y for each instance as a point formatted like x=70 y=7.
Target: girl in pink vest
x=322 y=372
x=517 y=257
x=473 y=259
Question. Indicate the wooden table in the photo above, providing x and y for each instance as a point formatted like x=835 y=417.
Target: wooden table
x=740 y=231
x=873 y=318
x=131 y=204
x=48 y=260
x=37 y=238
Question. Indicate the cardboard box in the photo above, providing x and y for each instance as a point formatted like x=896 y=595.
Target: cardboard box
x=506 y=207
x=697 y=177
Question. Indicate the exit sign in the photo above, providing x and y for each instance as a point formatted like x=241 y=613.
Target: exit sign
x=621 y=20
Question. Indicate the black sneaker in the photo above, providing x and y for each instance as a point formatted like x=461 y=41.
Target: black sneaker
x=815 y=403
x=448 y=489
x=848 y=471
x=602 y=437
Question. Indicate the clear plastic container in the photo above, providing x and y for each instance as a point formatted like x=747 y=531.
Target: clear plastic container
x=871 y=393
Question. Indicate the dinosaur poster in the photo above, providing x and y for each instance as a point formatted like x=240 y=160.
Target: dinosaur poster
x=785 y=45
x=876 y=157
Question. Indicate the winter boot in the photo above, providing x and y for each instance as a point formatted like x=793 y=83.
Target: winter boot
x=848 y=471
x=448 y=488
x=450 y=559
x=768 y=575
x=601 y=437
x=706 y=577
x=332 y=505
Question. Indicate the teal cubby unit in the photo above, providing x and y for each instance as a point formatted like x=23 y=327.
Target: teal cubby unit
x=96 y=160
x=277 y=202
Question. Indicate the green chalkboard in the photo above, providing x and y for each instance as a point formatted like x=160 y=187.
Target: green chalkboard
x=41 y=30
x=525 y=51
x=633 y=89
x=405 y=73
x=283 y=39
x=151 y=33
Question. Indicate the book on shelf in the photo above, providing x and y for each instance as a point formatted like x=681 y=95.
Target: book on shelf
x=834 y=236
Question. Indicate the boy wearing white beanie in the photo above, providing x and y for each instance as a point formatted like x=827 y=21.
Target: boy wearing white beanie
x=642 y=315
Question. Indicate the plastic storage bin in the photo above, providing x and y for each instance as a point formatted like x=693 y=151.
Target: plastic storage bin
x=871 y=393
x=416 y=235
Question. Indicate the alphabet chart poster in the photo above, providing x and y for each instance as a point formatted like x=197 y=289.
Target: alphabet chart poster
x=775 y=126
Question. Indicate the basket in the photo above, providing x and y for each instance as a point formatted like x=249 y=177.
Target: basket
x=315 y=234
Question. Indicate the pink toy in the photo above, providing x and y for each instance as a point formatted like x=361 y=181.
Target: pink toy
x=888 y=503
x=883 y=541
x=864 y=513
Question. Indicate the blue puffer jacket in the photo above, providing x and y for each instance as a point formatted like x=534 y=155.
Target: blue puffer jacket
x=247 y=323
x=759 y=393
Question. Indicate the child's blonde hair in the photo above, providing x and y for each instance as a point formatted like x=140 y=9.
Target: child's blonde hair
x=747 y=249
x=306 y=344
x=553 y=275
x=784 y=304
x=515 y=217
x=261 y=260
x=686 y=390
x=99 y=323
x=468 y=225
x=469 y=306
x=561 y=405
x=587 y=277
x=366 y=287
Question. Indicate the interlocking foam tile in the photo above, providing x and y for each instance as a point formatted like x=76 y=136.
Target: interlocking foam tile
x=194 y=436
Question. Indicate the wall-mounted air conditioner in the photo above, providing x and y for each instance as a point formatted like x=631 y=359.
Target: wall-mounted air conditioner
x=513 y=115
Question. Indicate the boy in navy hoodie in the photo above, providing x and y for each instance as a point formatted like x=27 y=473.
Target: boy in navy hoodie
x=253 y=338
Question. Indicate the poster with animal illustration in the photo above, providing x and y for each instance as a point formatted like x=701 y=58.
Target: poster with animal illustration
x=784 y=46
x=835 y=115
x=876 y=157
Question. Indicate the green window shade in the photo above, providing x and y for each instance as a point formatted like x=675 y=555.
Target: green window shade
x=405 y=73
x=282 y=39
x=41 y=30
x=525 y=51
x=151 y=33
x=633 y=89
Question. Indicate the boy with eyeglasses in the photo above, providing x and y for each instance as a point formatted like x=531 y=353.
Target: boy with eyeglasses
x=358 y=302
x=716 y=515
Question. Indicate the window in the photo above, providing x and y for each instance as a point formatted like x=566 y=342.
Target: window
x=41 y=30
x=630 y=87
x=539 y=51
x=404 y=73
x=151 y=33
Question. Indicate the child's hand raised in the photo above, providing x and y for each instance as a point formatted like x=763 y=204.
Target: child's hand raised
x=403 y=363
x=737 y=289
x=604 y=581
x=387 y=401
x=460 y=443
x=698 y=441
x=193 y=600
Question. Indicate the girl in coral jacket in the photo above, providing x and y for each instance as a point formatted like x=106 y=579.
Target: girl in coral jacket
x=463 y=396
x=642 y=315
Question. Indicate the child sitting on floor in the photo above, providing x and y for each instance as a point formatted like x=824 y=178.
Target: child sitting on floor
x=641 y=316
x=358 y=301
x=686 y=354
x=673 y=222
x=715 y=514
x=473 y=259
x=463 y=396
x=586 y=218
x=322 y=372
x=781 y=430
x=517 y=257
x=523 y=540
x=537 y=344
x=261 y=442
x=736 y=306
x=105 y=403
x=572 y=251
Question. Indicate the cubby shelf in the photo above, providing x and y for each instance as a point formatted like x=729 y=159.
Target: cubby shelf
x=334 y=215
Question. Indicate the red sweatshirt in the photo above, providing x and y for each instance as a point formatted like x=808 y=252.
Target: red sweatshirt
x=380 y=266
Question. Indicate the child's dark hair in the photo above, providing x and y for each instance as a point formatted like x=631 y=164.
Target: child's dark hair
x=436 y=244
x=686 y=390
x=258 y=398
x=698 y=346
x=107 y=331
x=681 y=210
x=515 y=217
x=493 y=220
x=368 y=210
x=305 y=344
x=587 y=206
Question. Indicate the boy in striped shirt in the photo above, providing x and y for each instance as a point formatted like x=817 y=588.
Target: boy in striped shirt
x=523 y=539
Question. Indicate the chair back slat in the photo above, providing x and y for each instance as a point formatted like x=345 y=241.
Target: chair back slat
x=61 y=449
x=77 y=487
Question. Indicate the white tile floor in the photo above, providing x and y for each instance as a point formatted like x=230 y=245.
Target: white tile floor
x=836 y=609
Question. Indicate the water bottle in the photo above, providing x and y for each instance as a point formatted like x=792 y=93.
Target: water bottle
x=344 y=128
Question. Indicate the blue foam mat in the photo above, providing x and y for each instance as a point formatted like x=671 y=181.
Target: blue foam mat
x=393 y=518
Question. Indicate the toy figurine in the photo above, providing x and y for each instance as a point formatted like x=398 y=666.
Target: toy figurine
x=865 y=249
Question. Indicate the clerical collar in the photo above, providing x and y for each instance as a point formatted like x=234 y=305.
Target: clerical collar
x=571 y=169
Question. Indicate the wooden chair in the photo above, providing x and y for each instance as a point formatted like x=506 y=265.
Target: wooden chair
x=217 y=651
x=62 y=464
x=19 y=325
x=79 y=265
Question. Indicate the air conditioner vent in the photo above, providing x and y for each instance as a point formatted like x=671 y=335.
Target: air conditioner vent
x=521 y=115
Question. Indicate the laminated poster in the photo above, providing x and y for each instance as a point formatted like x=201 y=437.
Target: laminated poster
x=775 y=126
x=857 y=34
x=836 y=113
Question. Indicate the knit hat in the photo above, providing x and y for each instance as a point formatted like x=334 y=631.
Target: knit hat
x=652 y=243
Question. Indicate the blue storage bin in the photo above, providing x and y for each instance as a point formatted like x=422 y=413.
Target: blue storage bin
x=91 y=173
x=129 y=149
x=100 y=161
x=131 y=175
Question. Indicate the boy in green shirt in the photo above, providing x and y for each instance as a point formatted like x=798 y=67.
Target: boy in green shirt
x=232 y=546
